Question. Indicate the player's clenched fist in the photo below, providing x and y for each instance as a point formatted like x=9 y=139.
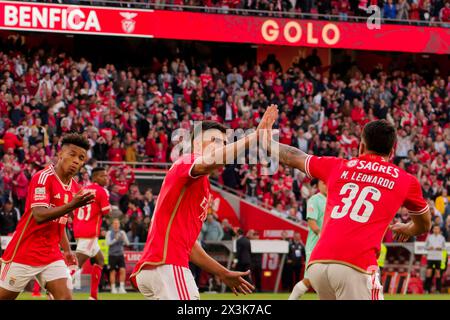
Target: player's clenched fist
x=82 y=198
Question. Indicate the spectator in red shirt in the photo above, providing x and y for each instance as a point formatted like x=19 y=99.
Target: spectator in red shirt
x=343 y=9
x=107 y=132
x=332 y=124
x=160 y=154
x=133 y=210
x=444 y=14
x=206 y=77
x=358 y=113
x=11 y=141
x=286 y=134
x=119 y=178
x=348 y=142
x=116 y=153
x=32 y=81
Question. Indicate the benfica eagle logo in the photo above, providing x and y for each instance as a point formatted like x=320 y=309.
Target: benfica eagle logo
x=128 y=24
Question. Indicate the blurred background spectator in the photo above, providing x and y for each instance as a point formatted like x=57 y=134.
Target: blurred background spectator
x=211 y=229
x=9 y=217
x=294 y=263
x=116 y=239
x=435 y=245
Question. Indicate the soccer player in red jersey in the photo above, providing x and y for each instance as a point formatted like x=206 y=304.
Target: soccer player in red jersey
x=182 y=206
x=34 y=250
x=86 y=227
x=364 y=194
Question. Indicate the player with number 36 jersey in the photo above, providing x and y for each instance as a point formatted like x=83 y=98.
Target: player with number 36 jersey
x=364 y=194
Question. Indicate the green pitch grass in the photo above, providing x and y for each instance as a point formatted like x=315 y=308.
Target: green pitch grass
x=230 y=296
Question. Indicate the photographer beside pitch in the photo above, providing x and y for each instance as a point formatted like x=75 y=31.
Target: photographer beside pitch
x=364 y=194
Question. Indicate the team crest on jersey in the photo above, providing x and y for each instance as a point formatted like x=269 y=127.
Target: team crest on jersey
x=352 y=163
x=39 y=193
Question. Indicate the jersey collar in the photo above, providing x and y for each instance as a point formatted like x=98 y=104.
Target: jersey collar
x=372 y=157
x=66 y=187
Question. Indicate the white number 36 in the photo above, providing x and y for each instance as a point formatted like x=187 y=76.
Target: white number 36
x=353 y=190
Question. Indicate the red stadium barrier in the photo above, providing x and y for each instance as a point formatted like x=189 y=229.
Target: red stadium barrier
x=222 y=28
x=253 y=217
x=223 y=209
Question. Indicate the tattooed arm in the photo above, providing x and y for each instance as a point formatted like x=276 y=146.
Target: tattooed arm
x=292 y=156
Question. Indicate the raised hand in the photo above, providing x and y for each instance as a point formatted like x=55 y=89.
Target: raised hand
x=264 y=129
x=82 y=198
x=269 y=118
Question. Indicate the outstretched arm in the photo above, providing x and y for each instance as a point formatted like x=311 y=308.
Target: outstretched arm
x=212 y=161
x=232 y=279
x=291 y=156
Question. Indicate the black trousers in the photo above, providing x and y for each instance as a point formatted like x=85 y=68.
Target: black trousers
x=290 y=276
x=19 y=203
x=256 y=272
x=243 y=267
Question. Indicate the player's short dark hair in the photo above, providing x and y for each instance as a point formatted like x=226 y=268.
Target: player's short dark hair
x=208 y=125
x=379 y=136
x=76 y=139
x=97 y=169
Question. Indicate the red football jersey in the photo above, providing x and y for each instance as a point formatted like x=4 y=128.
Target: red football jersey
x=38 y=244
x=181 y=208
x=364 y=194
x=88 y=219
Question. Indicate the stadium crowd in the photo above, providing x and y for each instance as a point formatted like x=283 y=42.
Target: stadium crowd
x=129 y=116
x=427 y=11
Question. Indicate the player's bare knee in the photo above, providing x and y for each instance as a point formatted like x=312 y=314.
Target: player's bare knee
x=68 y=296
x=8 y=295
x=61 y=294
x=64 y=296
